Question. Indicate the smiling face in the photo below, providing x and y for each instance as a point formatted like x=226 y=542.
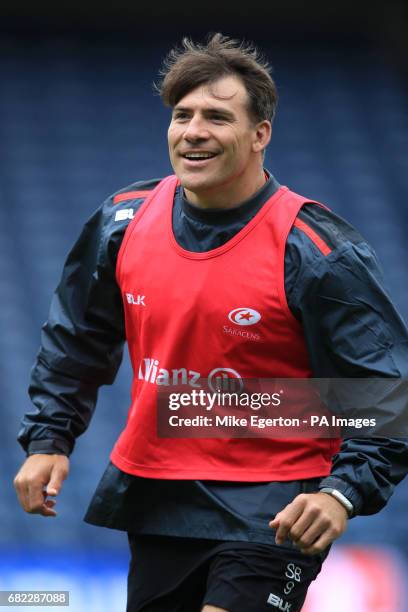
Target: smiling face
x=215 y=147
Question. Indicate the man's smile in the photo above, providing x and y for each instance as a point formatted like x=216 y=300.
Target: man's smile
x=194 y=159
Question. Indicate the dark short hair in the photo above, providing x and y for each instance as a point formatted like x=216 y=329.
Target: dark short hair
x=194 y=64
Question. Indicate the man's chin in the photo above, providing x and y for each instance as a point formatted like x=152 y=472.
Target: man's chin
x=198 y=185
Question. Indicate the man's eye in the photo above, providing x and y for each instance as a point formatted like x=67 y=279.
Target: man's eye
x=181 y=116
x=219 y=119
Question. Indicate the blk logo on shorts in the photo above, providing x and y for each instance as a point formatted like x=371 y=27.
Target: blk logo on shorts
x=277 y=602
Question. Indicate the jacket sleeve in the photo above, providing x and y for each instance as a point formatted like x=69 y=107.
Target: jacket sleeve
x=352 y=330
x=81 y=342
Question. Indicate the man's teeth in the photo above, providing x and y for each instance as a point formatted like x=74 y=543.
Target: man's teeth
x=199 y=155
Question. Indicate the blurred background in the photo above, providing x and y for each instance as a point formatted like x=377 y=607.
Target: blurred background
x=79 y=120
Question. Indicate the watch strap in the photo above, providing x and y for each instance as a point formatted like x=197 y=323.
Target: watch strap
x=340 y=498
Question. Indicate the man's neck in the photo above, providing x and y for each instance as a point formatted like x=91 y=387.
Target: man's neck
x=227 y=195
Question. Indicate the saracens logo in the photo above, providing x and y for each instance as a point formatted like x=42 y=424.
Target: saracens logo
x=244 y=316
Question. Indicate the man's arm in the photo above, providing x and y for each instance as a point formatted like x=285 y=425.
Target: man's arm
x=352 y=329
x=81 y=345
x=81 y=349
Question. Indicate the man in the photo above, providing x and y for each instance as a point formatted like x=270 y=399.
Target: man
x=215 y=524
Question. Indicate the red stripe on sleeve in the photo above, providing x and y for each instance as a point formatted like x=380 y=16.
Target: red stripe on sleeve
x=315 y=238
x=130 y=195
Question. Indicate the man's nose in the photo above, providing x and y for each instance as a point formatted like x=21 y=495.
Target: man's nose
x=196 y=130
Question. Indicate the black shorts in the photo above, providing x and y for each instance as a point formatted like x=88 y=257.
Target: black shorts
x=172 y=574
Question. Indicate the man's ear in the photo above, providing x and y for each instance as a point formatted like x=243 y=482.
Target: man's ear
x=263 y=133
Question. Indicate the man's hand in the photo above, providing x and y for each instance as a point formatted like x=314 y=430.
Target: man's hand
x=312 y=521
x=38 y=477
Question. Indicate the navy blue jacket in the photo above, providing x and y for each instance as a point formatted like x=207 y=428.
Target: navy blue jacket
x=82 y=346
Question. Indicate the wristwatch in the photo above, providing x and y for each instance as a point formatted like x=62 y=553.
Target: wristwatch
x=340 y=498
